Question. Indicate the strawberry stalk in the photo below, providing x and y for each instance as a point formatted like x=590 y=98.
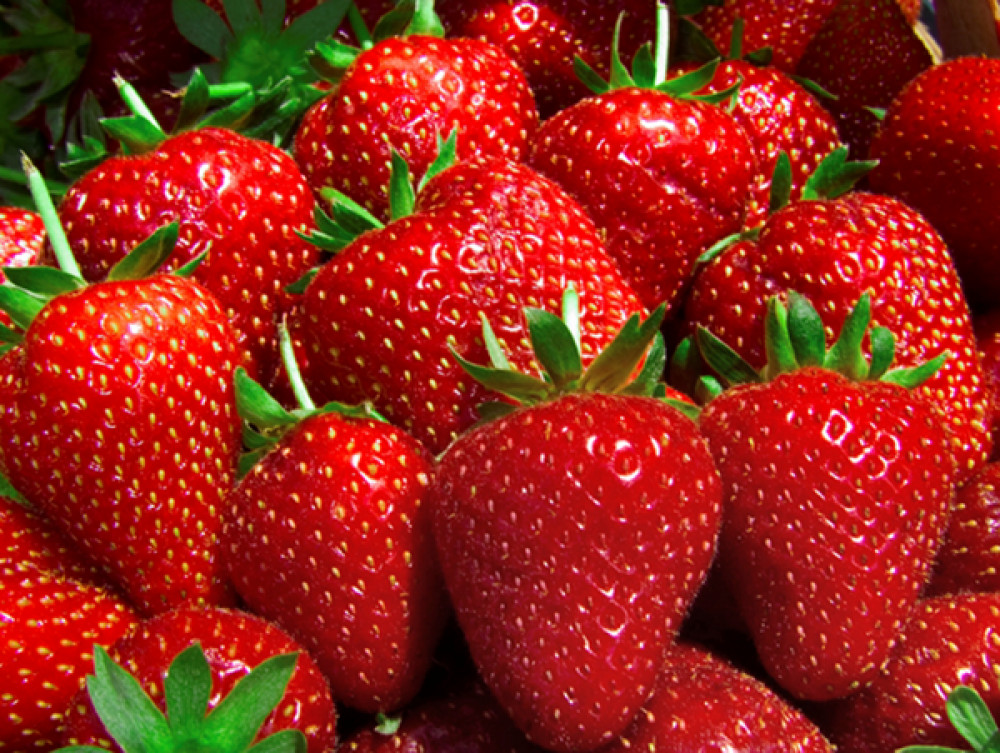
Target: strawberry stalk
x=50 y=217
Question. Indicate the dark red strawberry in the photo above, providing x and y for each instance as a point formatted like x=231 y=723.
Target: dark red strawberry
x=339 y=498
x=573 y=533
x=832 y=251
x=663 y=175
x=225 y=646
x=403 y=94
x=987 y=329
x=50 y=626
x=948 y=642
x=543 y=37
x=937 y=152
x=838 y=481
x=704 y=703
x=377 y=321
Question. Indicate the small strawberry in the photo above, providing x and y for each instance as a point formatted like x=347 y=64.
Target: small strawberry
x=50 y=625
x=574 y=530
x=704 y=703
x=950 y=641
x=22 y=237
x=119 y=418
x=838 y=481
x=402 y=94
x=338 y=497
x=937 y=152
x=228 y=681
x=663 y=174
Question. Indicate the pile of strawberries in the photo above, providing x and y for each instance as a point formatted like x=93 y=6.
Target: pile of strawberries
x=501 y=376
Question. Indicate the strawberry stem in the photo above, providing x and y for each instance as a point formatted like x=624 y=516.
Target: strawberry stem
x=298 y=384
x=662 y=47
x=135 y=104
x=50 y=217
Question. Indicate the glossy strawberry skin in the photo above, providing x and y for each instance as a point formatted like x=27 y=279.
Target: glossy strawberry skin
x=987 y=329
x=50 y=625
x=234 y=643
x=837 y=497
x=833 y=251
x=573 y=535
x=701 y=702
x=949 y=641
x=239 y=199
x=402 y=94
x=662 y=178
x=377 y=321
x=120 y=425
x=937 y=151
x=329 y=536
x=22 y=235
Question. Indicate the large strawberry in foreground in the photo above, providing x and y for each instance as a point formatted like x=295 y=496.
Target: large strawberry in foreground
x=838 y=482
x=573 y=532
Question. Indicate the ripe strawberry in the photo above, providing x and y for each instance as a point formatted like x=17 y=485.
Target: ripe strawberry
x=22 y=236
x=949 y=641
x=573 y=532
x=662 y=174
x=838 y=481
x=339 y=499
x=50 y=625
x=378 y=319
x=832 y=250
x=987 y=329
x=402 y=94
x=240 y=200
x=969 y=560
x=937 y=152
x=704 y=703
x=544 y=37
x=159 y=654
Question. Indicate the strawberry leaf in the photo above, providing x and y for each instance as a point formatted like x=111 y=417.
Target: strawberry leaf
x=725 y=361
x=620 y=76
x=806 y=331
x=187 y=689
x=256 y=406
x=10 y=336
x=554 y=346
x=689 y=83
x=45 y=282
x=195 y=102
x=835 y=176
x=522 y=387
x=915 y=376
x=446 y=155
x=845 y=354
x=611 y=369
x=402 y=197
x=494 y=409
x=781 y=183
x=22 y=307
x=778 y=344
x=286 y=741
x=203 y=27
x=147 y=257
x=644 y=67
x=883 y=351
x=299 y=286
x=589 y=77
x=971 y=717
x=650 y=377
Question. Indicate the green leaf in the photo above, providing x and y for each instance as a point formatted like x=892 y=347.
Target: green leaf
x=644 y=67
x=725 y=361
x=195 y=102
x=402 y=197
x=694 y=43
x=813 y=88
x=446 y=155
x=835 y=176
x=690 y=82
x=243 y=15
x=187 y=270
x=915 y=376
x=43 y=281
x=690 y=410
x=883 y=352
x=256 y=406
x=652 y=370
x=7 y=490
x=718 y=248
x=233 y=724
x=611 y=369
x=497 y=356
x=285 y=741
x=521 y=387
x=781 y=357
x=299 y=286
x=388 y=725
x=136 y=134
x=971 y=717
x=554 y=346
x=316 y=24
x=128 y=713
x=20 y=306
x=203 y=27
x=845 y=356
x=589 y=77
x=187 y=689
x=620 y=76
x=760 y=57
x=349 y=214
x=781 y=183
x=492 y=410
x=272 y=14
x=805 y=328
x=248 y=460
x=10 y=336
x=146 y=258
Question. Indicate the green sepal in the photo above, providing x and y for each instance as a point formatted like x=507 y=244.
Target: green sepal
x=835 y=175
x=43 y=282
x=971 y=718
x=299 y=286
x=493 y=347
x=331 y=58
x=813 y=88
x=806 y=331
x=760 y=57
x=349 y=214
x=447 y=155
x=781 y=183
x=693 y=7
x=717 y=248
x=914 y=376
x=188 y=269
x=878 y=112
x=845 y=356
x=651 y=376
x=725 y=361
x=491 y=410
x=285 y=741
x=8 y=490
x=402 y=196
x=256 y=406
x=882 y=346
x=707 y=389
x=386 y=724
x=554 y=346
x=685 y=366
x=22 y=307
x=620 y=76
x=693 y=43
x=187 y=688
x=147 y=257
x=248 y=460
x=611 y=369
x=409 y=17
x=781 y=356
x=644 y=67
x=690 y=410
x=687 y=83
x=203 y=27
x=521 y=387
x=10 y=336
x=589 y=77
x=255 y=440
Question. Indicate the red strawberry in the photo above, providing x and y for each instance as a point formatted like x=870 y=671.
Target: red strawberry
x=545 y=36
x=573 y=533
x=663 y=175
x=838 y=482
x=239 y=199
x=703 y=703
x=969 y=560
x=22 y=235
x=232 y=644
x=402 y=94
x=949 y=641
x=832 y=251
x=339 y=500
x=937 y=152
x=50 y=625
x=987 y=329
x=377 y=321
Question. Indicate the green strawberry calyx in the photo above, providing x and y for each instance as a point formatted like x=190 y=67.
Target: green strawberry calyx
x=557 y=348
x=795 y=338
x=971 y=717
x=137 y=724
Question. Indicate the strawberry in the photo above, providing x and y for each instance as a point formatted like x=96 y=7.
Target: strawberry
x=969 y=560
x=487 y=236
x=339 y=498
x=119 y=419
x=574 y=530
x=704 y=703
x=987 y=329
x=949 y=641
x=401 y=94
x=51 y=623
x=937 y=153
x=832 y=247
x=838 y=481
x=544 y=37
x=22 y=236
x=662 y=174
x=254 y=681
